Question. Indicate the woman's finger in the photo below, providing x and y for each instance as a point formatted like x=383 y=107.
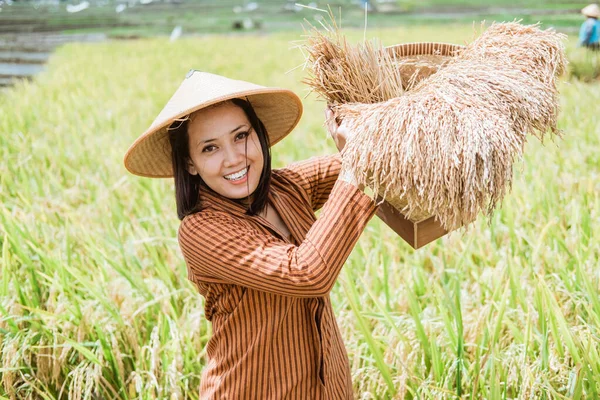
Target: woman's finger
x=341 y=134
x=330 y=122
x=343 y=130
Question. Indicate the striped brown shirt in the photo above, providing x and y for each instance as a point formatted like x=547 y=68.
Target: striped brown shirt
x=267 y=296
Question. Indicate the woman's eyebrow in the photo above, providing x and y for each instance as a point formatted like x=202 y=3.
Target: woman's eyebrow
x=238 y=128
x=233 y=131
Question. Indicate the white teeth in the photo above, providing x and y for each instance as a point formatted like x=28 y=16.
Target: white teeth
x=236 y=176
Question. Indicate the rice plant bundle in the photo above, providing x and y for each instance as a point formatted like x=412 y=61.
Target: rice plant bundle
x=443 y=142
x=351 y=74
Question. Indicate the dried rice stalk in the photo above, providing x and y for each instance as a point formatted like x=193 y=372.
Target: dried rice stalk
x=351 y=74
x=447 y=146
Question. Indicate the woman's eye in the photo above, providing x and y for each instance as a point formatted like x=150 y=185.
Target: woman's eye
x=208 y=149
x=242 y=135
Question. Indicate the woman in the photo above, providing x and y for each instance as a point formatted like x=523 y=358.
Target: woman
x=252 y=244
x=589 y=34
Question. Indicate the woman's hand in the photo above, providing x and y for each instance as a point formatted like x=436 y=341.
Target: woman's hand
x=338 y=131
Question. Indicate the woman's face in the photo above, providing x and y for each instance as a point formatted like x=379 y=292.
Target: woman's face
x=225 y=150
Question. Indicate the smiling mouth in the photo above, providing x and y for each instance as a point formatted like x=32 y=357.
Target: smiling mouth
x=238 y=175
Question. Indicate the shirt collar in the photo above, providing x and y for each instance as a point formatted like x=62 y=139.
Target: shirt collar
x=211 y=200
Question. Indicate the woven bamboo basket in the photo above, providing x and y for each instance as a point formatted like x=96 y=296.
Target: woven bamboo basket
x=416 y=62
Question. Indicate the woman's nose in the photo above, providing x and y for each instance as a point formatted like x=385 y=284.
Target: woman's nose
x=233 y=156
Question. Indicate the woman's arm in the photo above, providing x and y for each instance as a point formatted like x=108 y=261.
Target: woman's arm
x=386 y=212
x=316 y=176
x=220 y=248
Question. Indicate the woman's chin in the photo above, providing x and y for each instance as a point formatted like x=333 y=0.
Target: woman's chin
x=237 y=191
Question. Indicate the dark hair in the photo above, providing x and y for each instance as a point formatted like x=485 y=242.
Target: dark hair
x=188 y=187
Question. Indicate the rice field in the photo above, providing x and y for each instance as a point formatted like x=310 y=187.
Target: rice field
x=94 y=300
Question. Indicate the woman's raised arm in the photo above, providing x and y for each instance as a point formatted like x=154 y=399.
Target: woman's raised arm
x=218 y=248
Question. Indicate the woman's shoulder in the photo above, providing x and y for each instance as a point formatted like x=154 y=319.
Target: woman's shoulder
x=298 y=169
x=314 y=160
x=204 y=220
x=591 y=22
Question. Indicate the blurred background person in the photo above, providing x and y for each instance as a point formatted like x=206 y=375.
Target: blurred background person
x=589 y=34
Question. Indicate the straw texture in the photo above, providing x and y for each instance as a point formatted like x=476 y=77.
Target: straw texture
x=444 y=145
x=591 y=10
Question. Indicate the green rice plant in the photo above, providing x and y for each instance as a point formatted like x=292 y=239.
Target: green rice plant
x=584 y=64
x=94 y=297
x=374 y=346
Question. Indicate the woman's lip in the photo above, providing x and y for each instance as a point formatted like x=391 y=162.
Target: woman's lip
x=241 y=180
x=238 y=171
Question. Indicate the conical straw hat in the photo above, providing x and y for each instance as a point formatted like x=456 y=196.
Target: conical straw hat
x=278 y=109
x=591 y=11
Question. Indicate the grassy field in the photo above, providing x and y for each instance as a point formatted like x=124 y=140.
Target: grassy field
x=94 y=300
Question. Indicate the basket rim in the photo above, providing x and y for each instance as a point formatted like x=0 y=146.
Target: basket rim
x=425 y=48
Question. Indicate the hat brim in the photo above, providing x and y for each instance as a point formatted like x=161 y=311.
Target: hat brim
x=278 y=109
x=592 y=11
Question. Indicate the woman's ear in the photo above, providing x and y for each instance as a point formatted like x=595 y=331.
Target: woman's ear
x=191 y=168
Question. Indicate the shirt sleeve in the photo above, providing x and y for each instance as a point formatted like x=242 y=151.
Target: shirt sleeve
x=316 y=176
x=221 y=249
